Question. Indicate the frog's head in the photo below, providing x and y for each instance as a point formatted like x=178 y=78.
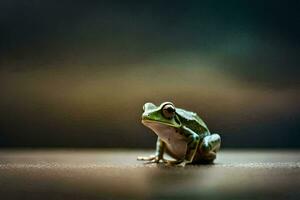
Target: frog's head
x=164 y=114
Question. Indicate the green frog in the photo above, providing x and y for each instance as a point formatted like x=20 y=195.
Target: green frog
x=181 y=134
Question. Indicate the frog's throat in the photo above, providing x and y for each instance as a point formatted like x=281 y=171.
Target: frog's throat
x=160 y=122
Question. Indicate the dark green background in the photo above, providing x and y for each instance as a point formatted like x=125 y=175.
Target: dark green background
x=76 y=73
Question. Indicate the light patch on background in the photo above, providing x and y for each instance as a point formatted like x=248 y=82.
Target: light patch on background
x=117 y=95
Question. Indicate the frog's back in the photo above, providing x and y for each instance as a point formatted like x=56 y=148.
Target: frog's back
x=192 y=121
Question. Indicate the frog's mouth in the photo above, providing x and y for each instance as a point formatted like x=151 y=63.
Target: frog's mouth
x=146 y=122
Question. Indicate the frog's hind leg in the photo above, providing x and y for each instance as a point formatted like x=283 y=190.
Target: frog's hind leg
x=208 y=149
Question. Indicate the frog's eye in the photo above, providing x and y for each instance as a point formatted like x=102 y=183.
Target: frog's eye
x=168 y=111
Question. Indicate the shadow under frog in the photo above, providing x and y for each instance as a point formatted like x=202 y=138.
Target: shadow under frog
x=181 y=134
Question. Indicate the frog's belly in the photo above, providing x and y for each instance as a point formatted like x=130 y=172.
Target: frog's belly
x=176 y=143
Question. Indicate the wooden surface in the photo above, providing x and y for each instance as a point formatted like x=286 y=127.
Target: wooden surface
x=115 y=174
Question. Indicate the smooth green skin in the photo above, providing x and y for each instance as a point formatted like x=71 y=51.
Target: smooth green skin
x=201 y=144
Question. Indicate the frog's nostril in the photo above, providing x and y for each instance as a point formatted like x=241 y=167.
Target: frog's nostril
x=145 y=116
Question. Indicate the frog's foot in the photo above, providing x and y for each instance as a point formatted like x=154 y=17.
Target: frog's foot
x=177 y=163
x=151 y=159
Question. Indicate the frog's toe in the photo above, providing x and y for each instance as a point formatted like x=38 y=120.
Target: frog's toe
x=173 y=162
x=151 y=159
x=182 y=164
x=146 y=158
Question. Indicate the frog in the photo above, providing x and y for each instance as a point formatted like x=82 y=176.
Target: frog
x=181 y=134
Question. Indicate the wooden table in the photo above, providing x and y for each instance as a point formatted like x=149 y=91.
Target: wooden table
x=115 y=174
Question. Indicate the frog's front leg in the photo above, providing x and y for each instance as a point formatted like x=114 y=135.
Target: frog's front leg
x=193 y=141
x=160 y=149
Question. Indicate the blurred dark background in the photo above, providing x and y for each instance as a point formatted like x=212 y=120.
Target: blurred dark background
x=76 y=73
